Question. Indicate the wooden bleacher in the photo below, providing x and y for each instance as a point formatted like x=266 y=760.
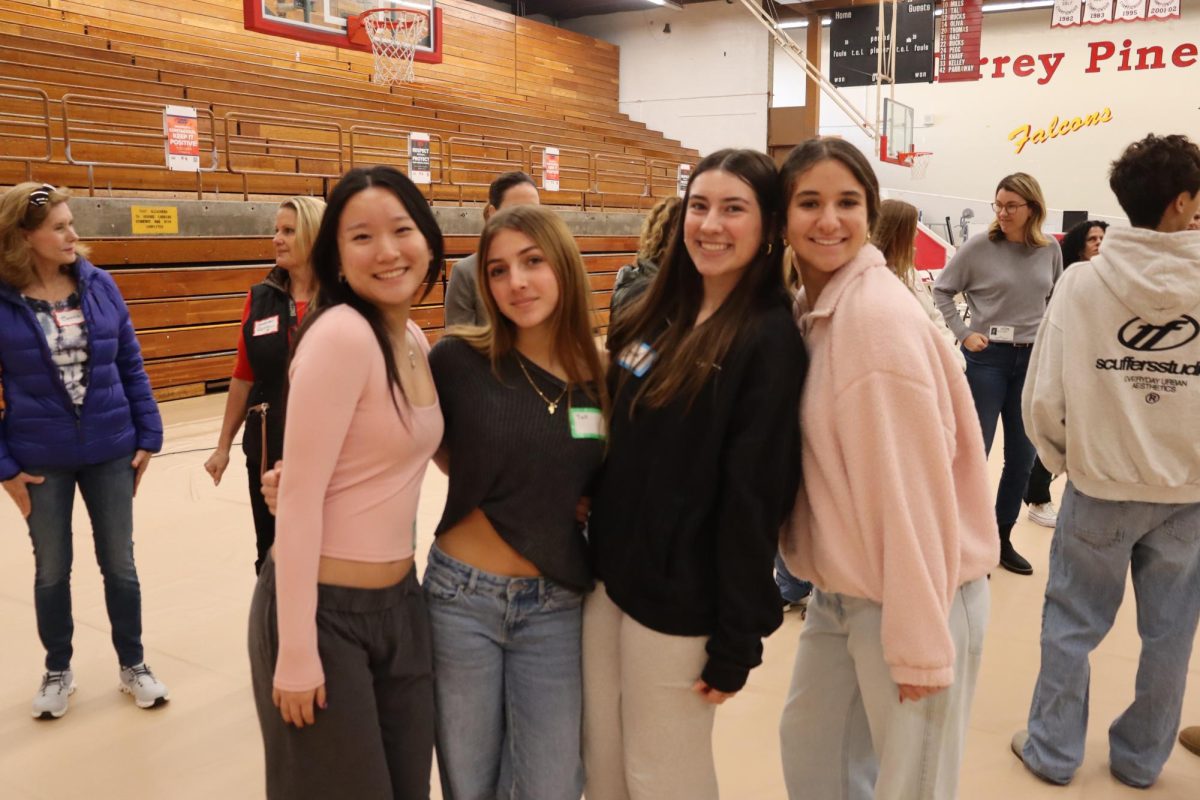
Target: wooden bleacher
x=187 y=306
x=281 y=117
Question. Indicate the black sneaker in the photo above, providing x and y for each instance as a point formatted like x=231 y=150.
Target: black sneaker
x=1012 y=561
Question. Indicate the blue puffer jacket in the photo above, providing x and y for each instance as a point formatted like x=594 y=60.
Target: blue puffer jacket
x=40 y=429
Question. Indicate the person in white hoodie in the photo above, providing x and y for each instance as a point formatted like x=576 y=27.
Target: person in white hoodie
x=1112 y=398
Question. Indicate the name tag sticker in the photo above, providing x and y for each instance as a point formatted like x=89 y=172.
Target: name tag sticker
x=1001 y=333
x=587 y=423
x=65 y=318
x=638 y=358
x=263 y=327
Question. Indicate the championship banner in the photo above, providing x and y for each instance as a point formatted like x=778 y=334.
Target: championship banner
x=550 y=169
x=1067 y=13
x=1130 y=10
x=1097 y=12
x=962 y=30
x=183 y=138
x=418 y=158
x=1163 y=9
x=682 y=176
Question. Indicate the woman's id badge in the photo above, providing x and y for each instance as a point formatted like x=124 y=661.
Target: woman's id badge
x=637 y=358
x=1001 y=333
x=587 y=423
x=66 y=318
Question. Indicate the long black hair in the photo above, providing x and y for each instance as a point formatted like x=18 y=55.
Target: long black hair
x=327 y=261
x=1075 y=241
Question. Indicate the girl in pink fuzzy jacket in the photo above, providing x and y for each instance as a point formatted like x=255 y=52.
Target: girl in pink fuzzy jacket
x=894 y=523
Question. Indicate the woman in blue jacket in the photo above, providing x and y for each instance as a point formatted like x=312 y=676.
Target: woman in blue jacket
x=79 y=411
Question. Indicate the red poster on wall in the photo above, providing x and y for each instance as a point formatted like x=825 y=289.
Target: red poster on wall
x=183 y=138
x=550 y=169
x=962 y=28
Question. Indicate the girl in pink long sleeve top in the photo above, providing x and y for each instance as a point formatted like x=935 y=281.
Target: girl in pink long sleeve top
x=339 y=631
x=894 y=522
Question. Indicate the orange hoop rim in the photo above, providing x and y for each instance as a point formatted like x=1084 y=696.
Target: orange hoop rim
x=356 y=29
x=908 y=158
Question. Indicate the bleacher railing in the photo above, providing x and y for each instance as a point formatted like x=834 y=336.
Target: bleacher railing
x=101 y=132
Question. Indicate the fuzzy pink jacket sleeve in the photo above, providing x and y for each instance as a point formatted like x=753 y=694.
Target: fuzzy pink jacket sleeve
x=329 y=372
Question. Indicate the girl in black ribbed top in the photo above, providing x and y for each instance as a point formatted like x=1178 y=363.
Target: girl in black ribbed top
x=523 y=400
x=703 y=466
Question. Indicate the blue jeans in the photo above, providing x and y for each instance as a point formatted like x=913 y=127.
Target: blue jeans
x=996 y=375
x=791 y=588
x=507 y=662
x=107 y=491
x=1094 y=546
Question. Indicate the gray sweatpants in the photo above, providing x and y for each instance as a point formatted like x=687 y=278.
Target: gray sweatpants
x=375 y=739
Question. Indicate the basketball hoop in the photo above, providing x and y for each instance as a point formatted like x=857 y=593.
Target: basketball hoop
x=393 y=35
x=918 y=161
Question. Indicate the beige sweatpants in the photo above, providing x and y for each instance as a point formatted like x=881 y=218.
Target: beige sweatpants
x=646 y=734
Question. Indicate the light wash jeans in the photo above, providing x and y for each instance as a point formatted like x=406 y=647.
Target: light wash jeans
x=1095 y=545
x=506 y=660
x=845 y=734
x=107 y=491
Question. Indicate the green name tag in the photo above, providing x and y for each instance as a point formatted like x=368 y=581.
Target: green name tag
x=587 y=423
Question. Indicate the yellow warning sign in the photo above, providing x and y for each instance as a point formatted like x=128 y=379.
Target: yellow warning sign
x=154 y=219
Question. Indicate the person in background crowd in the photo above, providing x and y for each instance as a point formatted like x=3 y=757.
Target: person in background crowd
x=703 y=463
x=1081 y=243
x=464 y=304
x=524 y=401
x=341 y=659
x=1096 y=408
x=79 y=413
x=274 y=309
x=892 y=523
x=657 y=231
x=1006 y=277
x=895 y=235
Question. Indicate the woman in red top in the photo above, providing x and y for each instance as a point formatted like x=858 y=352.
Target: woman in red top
x=274 y=308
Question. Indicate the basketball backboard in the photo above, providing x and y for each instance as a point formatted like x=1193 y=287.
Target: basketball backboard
x=324 y=21
x=896 y=134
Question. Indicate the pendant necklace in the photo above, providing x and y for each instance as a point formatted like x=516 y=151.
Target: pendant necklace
x=551 y=405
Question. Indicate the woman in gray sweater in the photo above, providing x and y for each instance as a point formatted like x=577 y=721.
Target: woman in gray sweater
x=1006 y=278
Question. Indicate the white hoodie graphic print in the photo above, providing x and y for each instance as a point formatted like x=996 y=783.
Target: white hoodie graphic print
x=1112 y=396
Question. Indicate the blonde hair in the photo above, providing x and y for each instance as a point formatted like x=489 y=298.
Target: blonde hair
x=18 y=217
x=1030 y=190
x=895 y=235
x=657 y=229
x=309 y=211
x=573 y=323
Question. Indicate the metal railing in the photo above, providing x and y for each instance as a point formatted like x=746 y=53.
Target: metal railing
x=101 y=132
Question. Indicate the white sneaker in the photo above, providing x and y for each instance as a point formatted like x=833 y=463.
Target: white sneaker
x=50 y=702
x=139 y=682
x=1043 y=514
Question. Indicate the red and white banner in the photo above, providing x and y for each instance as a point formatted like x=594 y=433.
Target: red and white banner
x=183 y=138
x=1163 y=9
x=550 y=169
x=1067 y=13
x=682 y=176
x=1130 y=10
x=962 y=29
x=419 y=169
x=1096 y=12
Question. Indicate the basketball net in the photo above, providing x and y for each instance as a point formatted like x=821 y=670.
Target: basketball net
x=919 y=164
x=394 y=36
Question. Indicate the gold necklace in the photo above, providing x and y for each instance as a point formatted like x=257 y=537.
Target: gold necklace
x=551 y=405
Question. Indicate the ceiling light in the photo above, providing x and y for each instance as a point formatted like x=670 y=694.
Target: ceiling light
x=668 y=3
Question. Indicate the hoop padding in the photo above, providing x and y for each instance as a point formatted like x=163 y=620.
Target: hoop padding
x=394 y=35
x=919 y=163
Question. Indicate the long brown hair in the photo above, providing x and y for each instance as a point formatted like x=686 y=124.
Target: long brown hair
x=687 y=353
x=573 y=323
x=1030 y=190
x=19 y=216
x=895 y=235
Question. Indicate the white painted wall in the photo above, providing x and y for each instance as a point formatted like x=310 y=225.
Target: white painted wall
x=705 y=83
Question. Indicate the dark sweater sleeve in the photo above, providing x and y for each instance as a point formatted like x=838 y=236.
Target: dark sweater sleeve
x=759 y=478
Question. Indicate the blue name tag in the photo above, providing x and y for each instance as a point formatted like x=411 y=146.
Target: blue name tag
x=638 y=358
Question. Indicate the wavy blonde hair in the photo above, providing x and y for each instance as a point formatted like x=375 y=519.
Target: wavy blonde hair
x=895 y=235
x=1030 y=190
x=18 y=217
x=573 y=322
x=657 y=229
x=309 y=211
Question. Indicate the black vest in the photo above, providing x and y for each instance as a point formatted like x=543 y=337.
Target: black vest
x=268 y=332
